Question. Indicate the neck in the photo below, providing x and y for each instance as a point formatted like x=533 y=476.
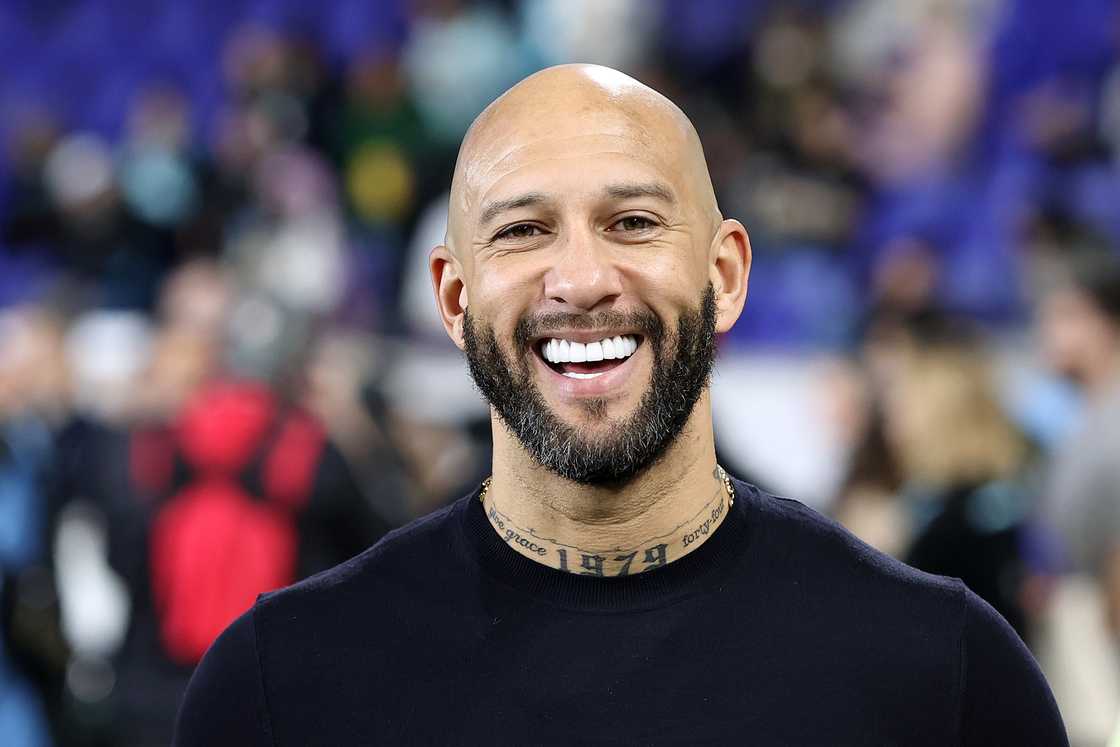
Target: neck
x=666 y=512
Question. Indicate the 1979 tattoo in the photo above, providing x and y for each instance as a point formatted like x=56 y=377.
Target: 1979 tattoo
x=653 y=553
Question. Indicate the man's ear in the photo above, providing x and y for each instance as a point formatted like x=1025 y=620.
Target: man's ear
x=730 y=258
x=451 y=293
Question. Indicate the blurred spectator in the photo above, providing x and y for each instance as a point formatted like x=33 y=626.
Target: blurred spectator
x=458 y=58
x=1080 y=327
x=241 y=494
x=966 y=477
x=867 y=500
x=939 y=475
x=379 y=140
x=587 y=30
x=29 y=644
x=1079 y=332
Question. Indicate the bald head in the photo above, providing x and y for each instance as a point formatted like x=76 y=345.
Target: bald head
x=582 y=205
x=570 y=109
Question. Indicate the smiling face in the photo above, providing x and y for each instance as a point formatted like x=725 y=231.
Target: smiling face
x=584 y=238
x=596 y=448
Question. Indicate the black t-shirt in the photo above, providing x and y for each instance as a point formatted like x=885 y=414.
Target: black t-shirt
x=781 y=629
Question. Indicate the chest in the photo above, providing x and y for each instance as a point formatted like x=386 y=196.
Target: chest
x=683 y=675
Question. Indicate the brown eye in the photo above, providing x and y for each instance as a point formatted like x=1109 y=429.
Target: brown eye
x=633 y=223
x=519 y=231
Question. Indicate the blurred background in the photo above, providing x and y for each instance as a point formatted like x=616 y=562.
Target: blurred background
x=221 y=368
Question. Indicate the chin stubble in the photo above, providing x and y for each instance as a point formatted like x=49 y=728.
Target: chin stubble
x=616 y=454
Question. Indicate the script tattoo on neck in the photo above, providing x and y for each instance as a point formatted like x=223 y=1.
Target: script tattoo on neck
x=617 y=561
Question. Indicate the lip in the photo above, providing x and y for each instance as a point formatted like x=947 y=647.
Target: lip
x=607 y=383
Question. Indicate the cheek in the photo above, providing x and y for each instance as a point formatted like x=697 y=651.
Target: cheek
x=667 y=272
x=498 y=306
x=497 y=296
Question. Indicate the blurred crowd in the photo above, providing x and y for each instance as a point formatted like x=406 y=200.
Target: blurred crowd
x=220 y=364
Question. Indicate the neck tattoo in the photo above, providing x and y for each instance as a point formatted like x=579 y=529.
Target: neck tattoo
x=617 y=561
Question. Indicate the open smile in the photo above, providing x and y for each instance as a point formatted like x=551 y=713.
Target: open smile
x=580 y=360
x=585 y=364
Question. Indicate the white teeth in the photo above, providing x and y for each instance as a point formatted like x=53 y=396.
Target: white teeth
x=574 y=375
x=557 y=350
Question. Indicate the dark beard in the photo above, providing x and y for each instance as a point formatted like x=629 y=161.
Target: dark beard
x=628 y=447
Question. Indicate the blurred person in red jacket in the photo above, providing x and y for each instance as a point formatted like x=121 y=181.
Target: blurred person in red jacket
x=223 y=485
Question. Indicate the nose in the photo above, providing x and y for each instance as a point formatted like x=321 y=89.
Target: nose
x=583 y=275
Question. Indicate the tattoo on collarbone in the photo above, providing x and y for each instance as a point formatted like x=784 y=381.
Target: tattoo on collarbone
x=616 y=561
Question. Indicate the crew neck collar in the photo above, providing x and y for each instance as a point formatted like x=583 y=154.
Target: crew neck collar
x=683 y=577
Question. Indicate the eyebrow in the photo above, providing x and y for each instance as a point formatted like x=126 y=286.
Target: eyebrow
x=656 y=190
x=496 y=208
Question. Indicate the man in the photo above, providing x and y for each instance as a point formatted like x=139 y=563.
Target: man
x=1080 y=332
x=608 y=585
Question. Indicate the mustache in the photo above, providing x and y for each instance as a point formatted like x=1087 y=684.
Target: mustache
x=534 y=326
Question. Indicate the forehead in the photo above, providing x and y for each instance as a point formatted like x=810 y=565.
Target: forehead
x=540 y=154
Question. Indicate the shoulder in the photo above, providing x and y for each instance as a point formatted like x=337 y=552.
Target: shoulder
x=1005 y=699
x=281 y=640
x=820 y=545
x=225 y=702
x=932 y=624
x=402 y=557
